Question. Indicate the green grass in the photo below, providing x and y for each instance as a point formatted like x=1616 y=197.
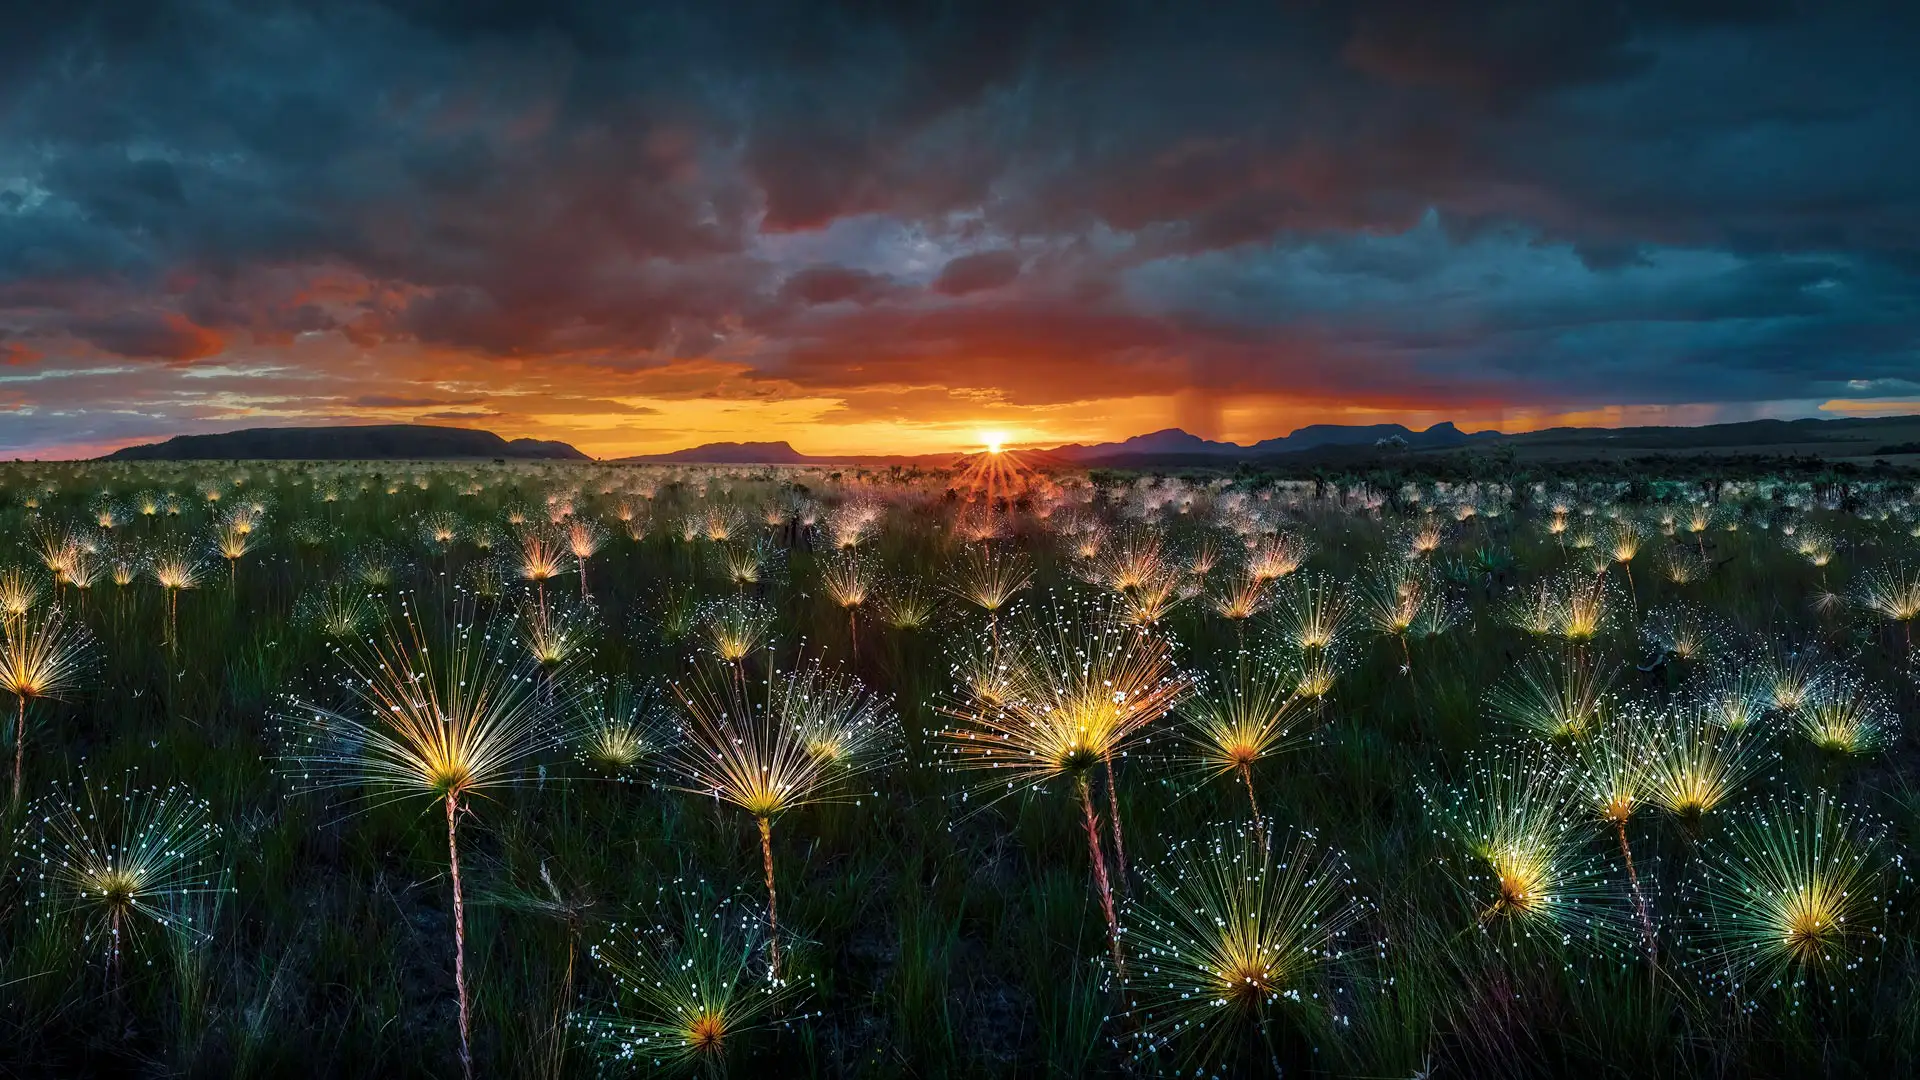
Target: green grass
x=936 y=935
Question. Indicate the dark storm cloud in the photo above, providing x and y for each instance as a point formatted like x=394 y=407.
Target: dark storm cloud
x=1562 y=202
x=149 y=336
x=832 y=285
x=973 y=273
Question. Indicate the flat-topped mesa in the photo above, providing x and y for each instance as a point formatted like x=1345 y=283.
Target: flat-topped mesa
x=352 y=442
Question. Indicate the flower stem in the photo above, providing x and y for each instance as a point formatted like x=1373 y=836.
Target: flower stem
x=19 y=745
x=459 y=937
x=1259 y=826
x=1633 y=881
x=773 y=900
x=1119 y=839
x=1100 y=883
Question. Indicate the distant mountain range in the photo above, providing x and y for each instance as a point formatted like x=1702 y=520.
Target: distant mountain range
x=1863 y=437
x=1175 y=443
x=735 y=453
x=1169 y=444
x=1868 y=437
x=372 y=442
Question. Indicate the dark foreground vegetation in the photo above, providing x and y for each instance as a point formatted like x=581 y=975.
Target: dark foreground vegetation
x=551 y=770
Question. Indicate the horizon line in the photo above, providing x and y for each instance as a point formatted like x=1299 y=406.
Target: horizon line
x=99 y=451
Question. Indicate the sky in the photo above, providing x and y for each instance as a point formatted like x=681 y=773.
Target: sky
x=914 y=226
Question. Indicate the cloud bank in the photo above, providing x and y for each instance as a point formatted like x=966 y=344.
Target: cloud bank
x=880 y=227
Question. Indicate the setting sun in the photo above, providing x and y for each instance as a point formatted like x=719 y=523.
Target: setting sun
x=995 y=441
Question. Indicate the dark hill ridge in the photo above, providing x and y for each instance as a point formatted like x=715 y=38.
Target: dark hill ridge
x=779 y=453
x=1857 y=437
x=734 y=453
x=1174 y=448
x=1175 y=443
x=1169 y=445
x=1741 y=433
x=1440 y=436
x=370 y=442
